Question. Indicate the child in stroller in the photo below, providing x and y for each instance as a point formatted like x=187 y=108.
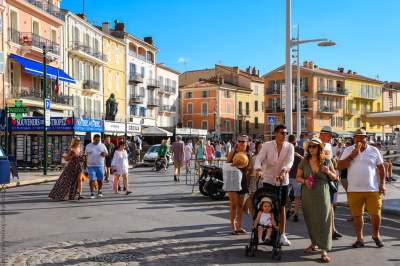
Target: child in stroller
x=265 y=220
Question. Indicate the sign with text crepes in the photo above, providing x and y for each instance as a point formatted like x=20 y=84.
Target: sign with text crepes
x=37 y=124
x=88 y=125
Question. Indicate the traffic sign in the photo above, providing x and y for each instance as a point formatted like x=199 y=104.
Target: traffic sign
x=272 y=120
x=47 y=105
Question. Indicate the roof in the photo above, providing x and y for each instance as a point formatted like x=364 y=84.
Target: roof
x=353 y=76
x=315 y=71
x=211 y=83
x=243 y=73
x=108 y=35
x=168 y=69
x=392 y=85
x=156 y=131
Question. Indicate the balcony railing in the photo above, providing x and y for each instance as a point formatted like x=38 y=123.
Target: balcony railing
x=272 y=91
x=135 y=78
x=88 y=50
x=333 y=91
x=152 y=103
x=135 y=98
x=152 y=83
x=327 y=109
x=274 y=109
x=31 y=39
x=167 y=108
x=37 y=95
x=48 y=8
x=91 y=85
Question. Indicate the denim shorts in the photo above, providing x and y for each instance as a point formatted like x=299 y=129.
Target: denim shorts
x=296 y=187
x=96 y=173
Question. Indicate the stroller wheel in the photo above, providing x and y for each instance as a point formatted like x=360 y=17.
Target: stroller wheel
x=252 y=251
x=276 y=255
x=246 y=251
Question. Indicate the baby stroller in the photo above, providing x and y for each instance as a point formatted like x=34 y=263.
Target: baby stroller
x=275 y=236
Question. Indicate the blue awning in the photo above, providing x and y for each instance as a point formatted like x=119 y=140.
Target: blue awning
x=36 y=68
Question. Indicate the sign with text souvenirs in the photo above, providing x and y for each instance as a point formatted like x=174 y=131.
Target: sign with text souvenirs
x=132 y=128
x=37 y=124
x=89 y=125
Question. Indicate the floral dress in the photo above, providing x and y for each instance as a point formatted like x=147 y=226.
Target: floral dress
x=65 y=187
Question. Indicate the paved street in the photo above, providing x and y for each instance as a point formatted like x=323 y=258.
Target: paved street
x=159 y=224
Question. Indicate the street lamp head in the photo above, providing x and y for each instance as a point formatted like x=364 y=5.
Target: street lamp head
x=327 y=43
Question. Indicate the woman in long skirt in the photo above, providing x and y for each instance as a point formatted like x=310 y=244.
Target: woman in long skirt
x=70 y=182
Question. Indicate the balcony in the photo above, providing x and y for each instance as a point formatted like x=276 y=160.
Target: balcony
x=29 y=40
x=152 y=84
x=135 y=78
x=168 y=109
x=90 y=87
x=332 y=91
x=49 y=8
x=152 y=103
x=327 y=110
x=272 y=91
x=137 y=99
x=88 y=52
x=364 y=96
x=34 y=98
x=274 y=109
x=349 y=111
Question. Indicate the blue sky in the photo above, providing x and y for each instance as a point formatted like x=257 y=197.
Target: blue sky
x=239 y=32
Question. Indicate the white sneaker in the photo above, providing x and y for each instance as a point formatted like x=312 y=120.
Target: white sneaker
x=284 y=240
x=92 y=196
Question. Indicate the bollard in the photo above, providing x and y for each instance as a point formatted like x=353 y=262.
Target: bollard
x=4 y=171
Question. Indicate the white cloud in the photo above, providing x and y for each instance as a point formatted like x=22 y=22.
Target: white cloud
x=182 y=60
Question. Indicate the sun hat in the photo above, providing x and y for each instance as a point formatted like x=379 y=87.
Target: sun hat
x=360 y=132
x=314 y=141
x=264 y=199
x=329 y=130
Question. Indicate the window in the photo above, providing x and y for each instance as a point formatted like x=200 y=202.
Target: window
x=227 y=125
x=54 y=36
x=240 y=126
x=256 y=122
x=96 y=74
x=76 y=69
x=228 y=107
x=35 y=28
x=262 y=107
x=240 y=108
x=161 y=80
x=350 y=122
x=142 y=72
x=1 y=23
x=204 y=94
x=332 y=121
x=256 y=90
x=321 y=120
x=247 y=108
x=204 y=108
x=117 y=82
x=174 y=85
x=247 y=127
x=190 y=124
x=204 y=125
x=142 y=111
x=227 y=94
x=109 y=80
x=189 y=94
x=255 y=106
x=132 y=69
x=190 y=108
x=150 y=74
x=13 y=23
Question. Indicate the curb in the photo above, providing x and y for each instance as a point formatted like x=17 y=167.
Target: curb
x=22 y=183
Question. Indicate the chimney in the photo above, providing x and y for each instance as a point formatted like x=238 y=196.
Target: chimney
x=236 y=70
x=311 y=64
x=355 y=73
x=305 y=64
x=82 y=16
x=258 y=73
x=254 y=72
x=105 y=27
x=341 y=69
x=119 y=26
x=349 y=71
x=148 y=40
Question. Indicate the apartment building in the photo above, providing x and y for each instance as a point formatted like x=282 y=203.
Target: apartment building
x=168 y=80
x=84 y=60
x=391 y=102
x=248 y=97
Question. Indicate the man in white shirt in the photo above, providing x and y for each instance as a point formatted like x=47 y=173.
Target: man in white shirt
x=273 y=164
x=365 y=164
x=96 y=153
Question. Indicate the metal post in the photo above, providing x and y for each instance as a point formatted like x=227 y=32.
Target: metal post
x=288 y=68
x=298 y=113
x=45 y=146
x=6 y=129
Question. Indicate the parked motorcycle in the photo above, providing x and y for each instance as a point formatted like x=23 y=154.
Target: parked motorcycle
x=211 y=182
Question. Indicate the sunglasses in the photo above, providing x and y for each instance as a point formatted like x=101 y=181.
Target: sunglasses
x=312 y=146
x=283 y=132
x=242 y=141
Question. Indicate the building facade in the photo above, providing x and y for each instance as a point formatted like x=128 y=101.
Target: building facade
x=168 y=80
x=84 y=60
x=390 y=102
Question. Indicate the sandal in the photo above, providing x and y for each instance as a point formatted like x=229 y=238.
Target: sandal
x=234 y=233
x=325 y=258
x=378 y=242
x=358 y=244
x=241 y=231
x=311 y=249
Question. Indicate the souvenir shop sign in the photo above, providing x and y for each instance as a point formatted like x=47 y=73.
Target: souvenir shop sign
x=88 y=125
x=133 y=129
x=37 y=124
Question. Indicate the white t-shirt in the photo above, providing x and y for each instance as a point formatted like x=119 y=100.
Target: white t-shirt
x=328 y=151
x=362 y=173
x=93 y=153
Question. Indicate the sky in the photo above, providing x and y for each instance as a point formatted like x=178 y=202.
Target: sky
x=197 y=34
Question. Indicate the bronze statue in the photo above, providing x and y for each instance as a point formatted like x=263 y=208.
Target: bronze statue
x=111 y=108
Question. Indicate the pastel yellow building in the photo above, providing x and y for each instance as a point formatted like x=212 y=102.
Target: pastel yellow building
x=114 y=74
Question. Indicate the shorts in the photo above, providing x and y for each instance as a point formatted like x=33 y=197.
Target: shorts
x=218 y=154
x=358 y=200
x=96 y=173
x=296 y=187
x=283 y=193
x=178 y=164
x=108 y=162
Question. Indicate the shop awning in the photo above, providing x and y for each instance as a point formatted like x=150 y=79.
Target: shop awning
x=384 y=118
x=36 y=68
x=156 y=132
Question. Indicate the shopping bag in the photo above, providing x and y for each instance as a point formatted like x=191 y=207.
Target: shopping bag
x=232 y=178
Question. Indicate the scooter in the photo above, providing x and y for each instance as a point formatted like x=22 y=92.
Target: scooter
x=211 y=182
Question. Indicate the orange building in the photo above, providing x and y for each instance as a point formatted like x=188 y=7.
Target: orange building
x=322 y=99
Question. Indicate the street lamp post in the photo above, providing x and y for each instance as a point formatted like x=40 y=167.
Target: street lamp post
x=45 y=147
x=290 y=43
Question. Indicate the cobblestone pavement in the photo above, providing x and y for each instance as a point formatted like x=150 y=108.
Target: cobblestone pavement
x=162 y=223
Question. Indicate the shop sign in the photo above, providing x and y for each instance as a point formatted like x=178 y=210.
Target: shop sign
x=37 y=124
x=88 y=125
x=114 y=127
x=191 y=132
x=133 y=128
x=148 y=122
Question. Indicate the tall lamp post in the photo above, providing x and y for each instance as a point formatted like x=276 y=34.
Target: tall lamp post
x=290 y=43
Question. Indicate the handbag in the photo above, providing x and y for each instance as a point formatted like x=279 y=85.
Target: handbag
x=232 y=178
x=333 y=186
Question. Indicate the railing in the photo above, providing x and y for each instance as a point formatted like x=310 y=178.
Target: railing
x=326 y=109
x=274 y=109
x=88 y=50
x=152 y=102
x=31 y=39
x=273 y=91
x=37 y=95
x=132 y=53
x=167 y=108
x=136 y=98
x=48 y=8
x=141 y=57
x=135 y=78
x=336 y=91
x=91 y=84
x=153 y=83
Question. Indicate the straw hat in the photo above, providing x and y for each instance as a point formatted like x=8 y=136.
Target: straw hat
x=360 y=132
x=265 y=199
x=314 y=141
x=241 y=160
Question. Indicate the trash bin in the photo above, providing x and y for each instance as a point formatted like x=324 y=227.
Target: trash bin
x=4 y=168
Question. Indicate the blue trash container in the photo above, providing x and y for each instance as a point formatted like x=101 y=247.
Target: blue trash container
x=4 y=168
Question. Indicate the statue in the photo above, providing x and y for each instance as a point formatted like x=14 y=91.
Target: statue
x=111 y=108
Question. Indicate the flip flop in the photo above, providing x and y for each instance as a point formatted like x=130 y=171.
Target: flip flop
x=358 y=244
x=234 y=233
x=311 y=249
x=378 y=242
x=241 y=231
